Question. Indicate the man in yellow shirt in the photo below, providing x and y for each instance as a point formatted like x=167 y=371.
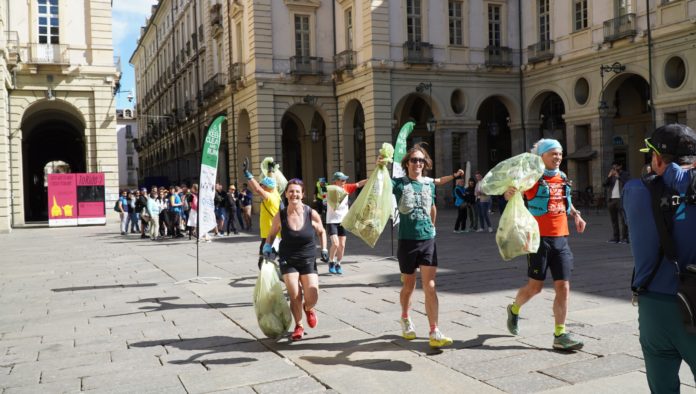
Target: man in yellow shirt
x=270 y=205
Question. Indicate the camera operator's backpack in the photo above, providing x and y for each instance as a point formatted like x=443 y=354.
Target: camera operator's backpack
x=666 y=205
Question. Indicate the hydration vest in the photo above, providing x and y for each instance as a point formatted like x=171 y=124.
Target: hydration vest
x=539 y=205
x=671 y=203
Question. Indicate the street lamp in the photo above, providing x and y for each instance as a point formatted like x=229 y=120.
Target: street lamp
x=431 y=123
x=616 y=68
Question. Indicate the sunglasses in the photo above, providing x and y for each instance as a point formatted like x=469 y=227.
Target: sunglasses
x=416 y=160
x=649 y=146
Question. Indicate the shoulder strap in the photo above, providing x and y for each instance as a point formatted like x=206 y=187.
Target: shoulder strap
x=667 y=248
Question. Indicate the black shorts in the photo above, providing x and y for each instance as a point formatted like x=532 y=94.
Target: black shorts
x=412 y=254
x=336 y=229
x=554 y=254
x=303 y=267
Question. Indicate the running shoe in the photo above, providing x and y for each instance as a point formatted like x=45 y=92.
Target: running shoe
x=338 y=269
x=332 y=267
x=512 y=321
x=298 y=333
x=311 y=318
x=408 y=330
x=438 y=339
x=566 y=342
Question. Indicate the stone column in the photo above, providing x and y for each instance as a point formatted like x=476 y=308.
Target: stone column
x=602 y=134
x=517 y=136
x=691 y=116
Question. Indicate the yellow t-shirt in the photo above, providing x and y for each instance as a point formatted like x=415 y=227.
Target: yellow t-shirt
x=268 y=209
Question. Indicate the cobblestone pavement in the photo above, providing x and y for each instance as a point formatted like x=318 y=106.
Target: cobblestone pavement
x=85 y=309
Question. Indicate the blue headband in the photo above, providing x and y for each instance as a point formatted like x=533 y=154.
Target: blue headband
x=269 y=182
x=546 y=145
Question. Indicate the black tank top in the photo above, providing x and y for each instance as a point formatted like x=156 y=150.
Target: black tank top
x=297 y=245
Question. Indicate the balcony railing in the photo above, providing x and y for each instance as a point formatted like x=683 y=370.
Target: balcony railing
x=498 y=56
x=215 y=83
x=542 y=50
x=345 y=60
x=48 y=54
x=306 y=65
x=617 y=28
x=236 y=72
x=416 y=52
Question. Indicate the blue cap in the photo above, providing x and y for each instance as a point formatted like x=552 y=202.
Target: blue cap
x=268 y=182
x=338 y=175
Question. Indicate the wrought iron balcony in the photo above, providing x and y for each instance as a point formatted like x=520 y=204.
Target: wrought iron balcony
x=306 y=65
x=542 y=50
x=345 y=60
x=498 y=56
x=416 y=52
x=215 y=83
x=236 y=72
x=48 y=54
x=617 y=28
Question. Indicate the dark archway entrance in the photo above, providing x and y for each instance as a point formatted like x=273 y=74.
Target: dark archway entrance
x=552 y=123
x=631 y=122
x=494 y=138
x=48 y=136
x=292 y=147
x=417 y=109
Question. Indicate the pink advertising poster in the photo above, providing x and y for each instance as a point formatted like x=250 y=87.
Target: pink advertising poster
x=62 y=200
x=90 y=198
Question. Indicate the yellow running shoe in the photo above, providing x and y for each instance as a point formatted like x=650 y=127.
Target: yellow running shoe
x=438 y=339
x=408 y=330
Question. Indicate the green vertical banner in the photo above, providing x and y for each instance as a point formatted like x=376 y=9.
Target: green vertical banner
x=209 y=163
x=400 y=148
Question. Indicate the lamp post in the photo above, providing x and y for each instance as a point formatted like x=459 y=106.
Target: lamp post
x=616 y=68
x=430 y=123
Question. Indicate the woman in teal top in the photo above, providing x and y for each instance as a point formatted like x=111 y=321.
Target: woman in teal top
x=415 y=196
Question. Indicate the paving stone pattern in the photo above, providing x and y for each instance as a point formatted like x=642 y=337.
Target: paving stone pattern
x=85 y=309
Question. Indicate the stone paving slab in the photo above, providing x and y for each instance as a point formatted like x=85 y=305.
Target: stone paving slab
x=111 y=310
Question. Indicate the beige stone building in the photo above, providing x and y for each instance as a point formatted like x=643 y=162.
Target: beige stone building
x=319 y=85
x=57 y=81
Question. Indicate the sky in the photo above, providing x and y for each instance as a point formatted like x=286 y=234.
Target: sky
x=128 y=17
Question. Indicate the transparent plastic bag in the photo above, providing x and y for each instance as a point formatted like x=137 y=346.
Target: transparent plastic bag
x=272 y=310
x=518 y=231
x=371 y=210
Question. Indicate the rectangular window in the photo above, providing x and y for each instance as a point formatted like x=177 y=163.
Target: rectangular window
x=413 y=20
x=129 y=131
x=49 y=27
x=302 y=35
x=455 y=23
x=544 y=28
x=130 y=161
x=238 y=41
x=623 y=7
x=580 y=14
x=494 y=25
x=349 y=29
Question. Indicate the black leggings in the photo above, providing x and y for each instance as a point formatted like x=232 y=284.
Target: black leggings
x=461 y=218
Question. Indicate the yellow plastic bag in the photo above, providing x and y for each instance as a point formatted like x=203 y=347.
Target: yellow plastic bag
x=518 y=231
x=272 y=310
x=371 y=210
x=335 y=195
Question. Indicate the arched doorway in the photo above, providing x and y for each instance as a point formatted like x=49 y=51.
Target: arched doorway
x=548 y=109
x=417 y=109
x=627 y=121
x=354 y=146
x=243 y=142
x=51 y=133
x=494 y=140
x=303 y=145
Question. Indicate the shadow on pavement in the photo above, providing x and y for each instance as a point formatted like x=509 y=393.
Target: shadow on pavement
x=163 y=305
x=80 y=288
x=346 y=349
x=208 y=346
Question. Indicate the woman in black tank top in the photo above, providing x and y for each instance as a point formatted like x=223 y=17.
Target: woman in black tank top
x=297 y=224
